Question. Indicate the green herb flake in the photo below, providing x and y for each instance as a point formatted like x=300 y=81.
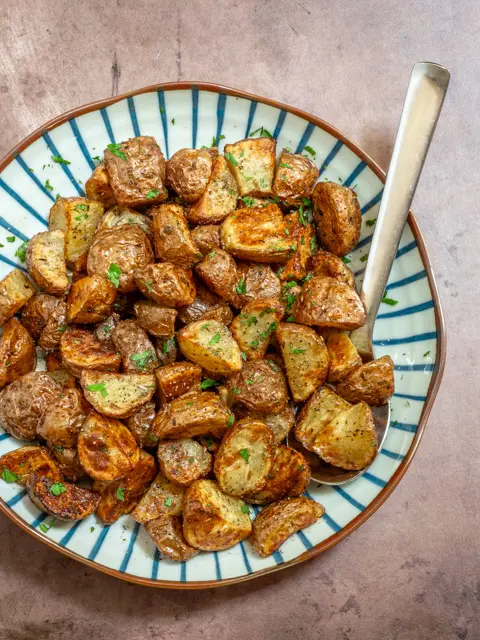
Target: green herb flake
x=273 y=365
x=116 y=150
x=152 y=194
x=21 y=252
x=120 y=494
x=153 y=438
x=231 y=420
x=244 y=356
x=9 y=476
x=113 y=274
x=427 y=353
x=60 y=160
x=97 y=158
x=99 y=386
x=216 y=338
x=241 y=286
x=296 y=351
x=313 y=245
x=254 y=344
x=250 y=202
x=149 y=286
x=245 y=509
x=235 y=391
x=212 y=253
x=10 y=238
x=287 y=166
x=216 y=140
x=290 y=319
x=46 y=527
x=168 y=502
x=388 y=300
x=230 y=158
x=346 y=260
x=370 y=223
x=245 y=454
x=364 y=258
x=172 y=120
x=208 y=383
x=310 y=150
x=263 y=133
x=143 y=358
x=81 y=207
x=58 y=488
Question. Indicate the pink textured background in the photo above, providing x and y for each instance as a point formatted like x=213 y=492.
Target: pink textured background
x=412 y=571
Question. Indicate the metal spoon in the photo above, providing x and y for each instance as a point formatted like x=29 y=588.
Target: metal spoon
x=425 y=95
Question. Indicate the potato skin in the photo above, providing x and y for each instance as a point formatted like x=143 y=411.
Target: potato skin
x=74 y=503
x=55 y=328
x=103 y=331
x=166 y=284
x=162 y=499
x=68 y=461
x=81 y=350
x=295 y=268
x=45 y=259
x=344 y=358
x=219 y=271
x=316 y=414
x=259 y=386
x=167 y=534
x=118 y=216
x=17 y=352
x=294 y=178
x=338 y=217
x=327 y=302
x=277 y=522
x=253 y=327
x=167 y=351
x=133 y=344
x=373 y=382
x=183 y=461
x=219 y=197
x=172 y=238
x=117 y=395
x=188 y=172
x=15 y=290
x=64 y=418
x=90 y=300
x=280 y=423
x=258 y=282
x=156 y=320
x=252 y=162
x=30 y=459
x=173 y=380
x=140 y=424
x=98 y=188
x=211 y=345
x=329 y=265
x=207 y=238
x=36 y=312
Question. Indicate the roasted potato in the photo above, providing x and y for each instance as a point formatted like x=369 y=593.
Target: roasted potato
x=219 y=271
x=173 y=380
x=193 y=414
x=167 y=351
x=79 y=268
x=328 y=265
x=252 y=162
x=257 y=282
x=326 y=302
x=118 y=216
x=253 y=327
x=136 y=169
x=121 y=496
x=277 y=522
x=140 y=424
x=183 y=461
x=106 y=448
x=220 y=313
x=56 y=326
x=17 y=352
x=294 y=178
x=337 y=216
x=103 y=330
x=156 y=320
x=172 y=238
x=64 y=418
x=15 y=290
x=245 y=458
x=219 y=197
x=90 y=300
x=211 y=345
x=163 y=499
x=36 y=312
x=30 y=459
x=68 y=461
x=24 y=402
x=98 y=188
x=81 y=350
x=343 y=357
x=372 y=382
x=303 y=237
x=260 y=386
x=316 y=414
x=116 y=254
x=78 y=219
x=188 y=172
x=56 y=370
x=62 y=500
x=279 y=423
x=207 y=238
x=167 y=534
x=117 y=395
x=166 y=284
x=134 y=346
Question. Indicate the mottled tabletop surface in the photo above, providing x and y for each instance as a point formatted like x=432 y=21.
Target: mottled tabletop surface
x=413 y=570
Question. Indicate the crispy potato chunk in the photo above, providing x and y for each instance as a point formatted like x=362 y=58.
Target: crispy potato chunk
x=338 y=217
x=68 y=461
x=36 y=312
x=57 y=372
x=62 y=500
x=127 y=248
x=15 y=290
x=136 y=169
x=253 y=327
x=205 y=299
x=64 y=418
x=211 y=345
x=245 y=458
x=173 y=380
x=316 y=414
x=213 y=521
x=166 y=284
x=219 y=271
x=167 y=534
x=167 y=351
x=183 y=461
x=218 y=199
x=45 y=259
x=344 y=359
x=117 y=395
x=163 y=499
x=329 y=265
x=118 y=216
x=24 y=402
x=302 y=236
x=279 y=423
x=133 y=344
x=172 y=237
x=140 y=424
x=81 y=351
x=294 y=178
x=257 y=282
x=156 y=320
x=56 y=326
x=106 y=448
x=277 y=522
x=121 y=496
x=90 y=300
x=373 y=383
x=252 y=162
x=30 y=459
x=207 y=238
x=103 y=331
x=78 y=219
x=188 y=172
x=193 y=414
x=326 y=302
x=17 y=352
x=259 y=386
x=98 y=188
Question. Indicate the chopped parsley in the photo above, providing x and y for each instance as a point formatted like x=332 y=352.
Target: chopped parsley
x=273 y=365
x=212 y=253
x=167 y=344
x=208 y=383
x=346 y=260
x=216 y=140
x=245 y=454
x=81 y=207
x=250 y=202
x=236 y=391
x=99 y=386
x=243 y=355
x=254 y=344
x=58 y=488
x=231 y=159
x=231 y=420
x=143 y=358
x=152 y=194
x=46 y=527
x=21 y=252
x=120 y=494
x=116 y=150
x=168 y=502
x=310 y=150
x=287 y=166
x=313 y=245
x=427 y=353
x=248 y=319
x=191 y=460
x=370 y=223
x=173 y=121
x=10 y=238
x=245 y=509
x=388 y=300
x=149 y=286
x=241 y=286
x=216 y=338
x=80 y=218
x=153 y=437
x=9 y=476
x=60 y=160
x=364 y=258
x=113 y=274
x=261 y=131
x=297 y=351
x=97 y=158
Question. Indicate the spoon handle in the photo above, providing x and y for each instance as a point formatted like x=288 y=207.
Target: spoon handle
x=423 y=103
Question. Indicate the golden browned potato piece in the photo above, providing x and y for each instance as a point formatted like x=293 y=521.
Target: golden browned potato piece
x=294 y=178
x=255 y=324
x=116 y=254
x=257 y=234
x=45 y=259
x=79 y=268
x=136 y=169
x=55 y=328
x=36 y=312
x=133 y=344
x=172 y=237
x=167 y=351
x=19 y=463
x=213 y=521
x=15 y=291
x=188 y=172
x=193 y=414
x=106 y=448
x=373 y=383
x=78 y=219
x=64 y=418
x=166 y=284
x=279 y=423
x=118 y=216
x=62 y=500
x=207 y=238
x=219 y=271
x=316 y=414
x=81 y=350
x=156 y=320
x=68 y=461
x=90 y=300
x=245 y=458
x=303 y=236
x=220 y=313
x=17 y=352
x=211 y=345
x=205 y=299
x=288 y=477
x=117 y=395
x=163 y=499
x=173 y=380
x=218 y=199
x=140 y=424
x=98 y=188
x=326 y=302
x=344 y=358
x=260 y=386
x=329 y=265
x=56 y=371
x=24 y=402
x=211 y=444
x=338 y=217
x=103 y=331
x=252 y=162
x=167 y=534
x=277 y=522
x=121 y=496
x=183 y=461
x=256 y=282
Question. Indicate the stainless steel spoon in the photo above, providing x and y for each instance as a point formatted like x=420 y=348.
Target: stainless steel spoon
x=425 y=95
